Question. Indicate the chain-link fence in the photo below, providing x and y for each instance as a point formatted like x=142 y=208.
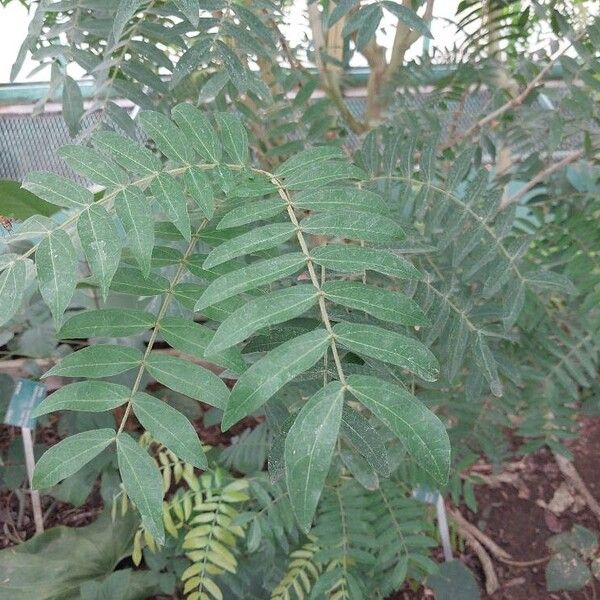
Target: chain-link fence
x=29 y=143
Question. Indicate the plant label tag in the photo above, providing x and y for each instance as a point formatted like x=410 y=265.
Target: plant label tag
x=426 y=495
x=27 y=395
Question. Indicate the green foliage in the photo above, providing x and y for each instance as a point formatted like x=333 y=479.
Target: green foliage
x=374 y=301
x=575 y=561
x=18 y=203
x=454 y=578
x=200 y=520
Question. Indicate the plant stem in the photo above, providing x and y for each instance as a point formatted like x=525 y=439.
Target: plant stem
x=513 y=102
x=283 y=192
x=539 y=177
x=161 y=313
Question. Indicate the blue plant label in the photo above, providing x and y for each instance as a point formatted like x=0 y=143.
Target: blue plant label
x=424 y=494
x=27 y=395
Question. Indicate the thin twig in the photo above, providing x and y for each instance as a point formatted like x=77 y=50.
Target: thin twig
x=567 y=468
x=464 y=525
x=539 y=177
x=513 y=102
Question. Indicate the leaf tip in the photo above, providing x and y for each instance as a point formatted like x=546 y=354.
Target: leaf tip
x=229 y=420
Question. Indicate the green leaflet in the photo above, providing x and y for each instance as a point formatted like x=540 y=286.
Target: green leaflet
x=394 y=307
x=126 y=9
x=299 y=162
x=369 y=227
x=169 y=427
x=69 y=455
x=87 y=396
x=408 y=16
x=360 y=469
x=144 y=76
x=187 y=294
x=18 y=203
x=319 y=174
x=168 y=193
x=72 y=105
x=271 y=337
x=513 y=304
x=12 y=286
x=250 y=277
x=266 y=376
x=195 y=261
x=187 y=378
x=164 y=256
x=273 y=308
x=190 y=9
x=134 y=211
x=232 y=64
x=249 y=184
x=487 y=363
x=249 y=213
x=129 y=154
x=455 y=580
x=170 y=140
x=92 y=164
x=56 y=264
x=365 y=439
x=128 y=280
x=58 y=190
x=121 y=118
x=259 y=238
x=309 y=447
x=102 y=360
x=388 y=346
x=215 y=237
x=107 y=322
x=189 y=61
x=32 y=227
x=7 y=260
x=365 y=22
x=199 y=131
x=213 y=86
x=199 y=188
x=341 y=199
x=143 y=483
x=550 y=280
x=458 y=339
x=194 y=339
x=234 y=137
x=101 y=244
x=422 y=433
